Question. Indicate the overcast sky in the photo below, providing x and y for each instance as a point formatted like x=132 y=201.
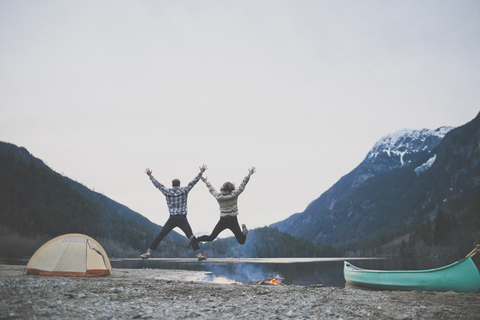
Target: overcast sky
x=302 y=90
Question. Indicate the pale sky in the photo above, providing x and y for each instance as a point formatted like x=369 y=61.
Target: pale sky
x=302 y=90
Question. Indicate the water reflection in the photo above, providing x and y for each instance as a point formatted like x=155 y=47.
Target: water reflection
x=328 y=272
x=298 y=271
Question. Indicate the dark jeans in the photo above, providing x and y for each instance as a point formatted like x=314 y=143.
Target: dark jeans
x=172 y=222
x=225 y=223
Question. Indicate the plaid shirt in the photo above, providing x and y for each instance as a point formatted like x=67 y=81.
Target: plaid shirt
x=176 y=196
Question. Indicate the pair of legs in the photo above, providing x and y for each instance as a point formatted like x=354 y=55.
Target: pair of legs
x=226 y=223
x=181 y=222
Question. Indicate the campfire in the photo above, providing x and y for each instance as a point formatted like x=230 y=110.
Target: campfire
x=270 y=282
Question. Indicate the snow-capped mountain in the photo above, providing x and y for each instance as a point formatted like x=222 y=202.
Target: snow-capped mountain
x=396 y=150
x=401 y=146
x=396 y=186
x=405 y=142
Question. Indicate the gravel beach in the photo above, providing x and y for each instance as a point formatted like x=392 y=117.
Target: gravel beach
x=176 y=294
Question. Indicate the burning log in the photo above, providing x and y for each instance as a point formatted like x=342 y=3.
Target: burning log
x=270 y=282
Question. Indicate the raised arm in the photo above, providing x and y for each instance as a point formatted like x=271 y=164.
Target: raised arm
x=242 y=185
x=210 y=188
x=157 y=184
x=195 y=180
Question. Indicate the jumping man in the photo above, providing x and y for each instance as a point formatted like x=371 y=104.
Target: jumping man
x=177 y=206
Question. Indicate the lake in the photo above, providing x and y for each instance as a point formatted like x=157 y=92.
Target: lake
x=298 y=271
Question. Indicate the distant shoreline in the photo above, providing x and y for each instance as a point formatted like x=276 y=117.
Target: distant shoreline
x=255 y=260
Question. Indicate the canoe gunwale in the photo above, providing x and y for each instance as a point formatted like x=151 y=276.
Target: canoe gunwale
x=351 y=267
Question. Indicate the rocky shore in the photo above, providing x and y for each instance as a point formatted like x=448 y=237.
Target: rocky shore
x=176 y=294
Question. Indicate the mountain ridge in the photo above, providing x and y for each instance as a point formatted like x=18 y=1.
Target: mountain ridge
x=392 y=151
x=25 y=155
x=393 y=191
x=37 y=204
x=27 y=177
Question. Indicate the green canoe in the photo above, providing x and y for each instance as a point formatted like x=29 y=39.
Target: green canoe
x=461 y=276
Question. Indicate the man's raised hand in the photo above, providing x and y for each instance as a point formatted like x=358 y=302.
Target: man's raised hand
x=148 y=172
x=203 y=168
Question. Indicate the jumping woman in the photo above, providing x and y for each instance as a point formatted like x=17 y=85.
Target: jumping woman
x=227 y=199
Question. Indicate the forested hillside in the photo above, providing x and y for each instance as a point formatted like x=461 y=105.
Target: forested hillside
x=37 y=204
x=267 y=242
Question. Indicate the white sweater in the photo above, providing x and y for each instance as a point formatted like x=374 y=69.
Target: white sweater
x=228 y=201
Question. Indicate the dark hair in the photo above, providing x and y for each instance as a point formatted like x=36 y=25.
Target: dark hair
x=228 y=186
x=175 y=183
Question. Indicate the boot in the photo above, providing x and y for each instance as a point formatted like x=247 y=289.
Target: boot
x=201 y=257
x=145 y=256
x=244 y=229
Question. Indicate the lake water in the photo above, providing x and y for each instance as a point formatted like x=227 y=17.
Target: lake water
x=299 y=271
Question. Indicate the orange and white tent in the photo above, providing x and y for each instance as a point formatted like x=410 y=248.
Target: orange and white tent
x=70 y=255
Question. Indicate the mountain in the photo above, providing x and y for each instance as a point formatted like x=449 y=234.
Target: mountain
x=120 y=209
x=37 y=204
x=36 y=201
x=393 y=151
x=410 y=178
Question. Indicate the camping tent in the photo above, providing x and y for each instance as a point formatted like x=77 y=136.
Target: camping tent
x=72 y=255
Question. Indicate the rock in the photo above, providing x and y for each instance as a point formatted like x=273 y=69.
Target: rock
x=133 y=297
x=193 y=314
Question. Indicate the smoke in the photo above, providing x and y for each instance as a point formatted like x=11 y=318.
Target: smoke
x=243 y=272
